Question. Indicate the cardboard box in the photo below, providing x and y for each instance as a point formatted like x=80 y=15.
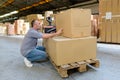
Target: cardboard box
x=114 y=31
x=3 y=30
x=48 y=13
x=102 y=7
x=64 y=50
x=26 y=27
x=109 y=5
x=75 y=22
x=119 y=7
x=115 y=7
x=11 y=30
x=18 y=26
x=102 y=31
x=118 y=30
x=108 y=31
x=34 y=16
x=100 y=18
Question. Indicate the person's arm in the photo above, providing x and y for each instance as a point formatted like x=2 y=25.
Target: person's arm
x=49 y=35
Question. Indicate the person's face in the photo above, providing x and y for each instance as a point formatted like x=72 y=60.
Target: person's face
x=38 y=25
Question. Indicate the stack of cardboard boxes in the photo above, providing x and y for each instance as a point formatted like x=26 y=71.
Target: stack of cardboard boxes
x=34 y=16
x=76 y=43
x=25 y=28
x=3 y=29
x=109 y=21
x=18 y=26
x=10 y=29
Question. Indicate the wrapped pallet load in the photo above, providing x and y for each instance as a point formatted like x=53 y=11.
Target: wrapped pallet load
x=74 y=44
x=64 y=50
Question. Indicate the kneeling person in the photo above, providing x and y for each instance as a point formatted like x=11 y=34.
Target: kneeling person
x=29 y=48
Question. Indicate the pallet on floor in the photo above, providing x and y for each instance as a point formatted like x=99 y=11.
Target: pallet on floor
x=80 y=66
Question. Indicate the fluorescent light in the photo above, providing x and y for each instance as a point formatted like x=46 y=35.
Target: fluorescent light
x=14 y=12
x=8 y=14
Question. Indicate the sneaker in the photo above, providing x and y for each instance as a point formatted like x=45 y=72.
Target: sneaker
x=28 y=63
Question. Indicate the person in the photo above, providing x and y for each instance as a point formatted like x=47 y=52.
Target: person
x=29 y=48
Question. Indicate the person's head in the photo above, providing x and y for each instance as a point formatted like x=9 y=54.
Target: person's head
x=36 y=24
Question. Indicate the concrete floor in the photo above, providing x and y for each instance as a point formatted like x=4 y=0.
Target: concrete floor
x=12 y=66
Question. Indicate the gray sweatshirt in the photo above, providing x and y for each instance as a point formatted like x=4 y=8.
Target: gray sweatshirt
x=30 y=41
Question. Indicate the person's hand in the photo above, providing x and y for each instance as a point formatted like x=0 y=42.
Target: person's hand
x=59 y=31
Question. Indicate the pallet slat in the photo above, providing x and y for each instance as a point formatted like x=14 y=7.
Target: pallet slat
x=66 y=66
x=74 y=65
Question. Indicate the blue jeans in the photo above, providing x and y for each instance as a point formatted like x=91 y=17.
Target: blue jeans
x=37 y=54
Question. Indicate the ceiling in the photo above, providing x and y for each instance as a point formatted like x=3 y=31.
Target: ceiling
x=26 y=7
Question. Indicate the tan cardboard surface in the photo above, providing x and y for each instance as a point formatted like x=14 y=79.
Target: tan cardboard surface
x=114 y=32
x=102 y=31
x=65 y=50
x=109 y=5
x=115 y=7
x=75 y=22
x=118 y=30
x=108 y=31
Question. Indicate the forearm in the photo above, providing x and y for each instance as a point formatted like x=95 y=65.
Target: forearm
x=49 y=35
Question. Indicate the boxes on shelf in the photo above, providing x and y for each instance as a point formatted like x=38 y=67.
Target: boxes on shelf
x=3 y=29
x=10 y=29
x=25 y=28
x=18 y=26
x=34 y=16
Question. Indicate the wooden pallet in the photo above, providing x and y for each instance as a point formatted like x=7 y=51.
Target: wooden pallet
x=80 y=66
